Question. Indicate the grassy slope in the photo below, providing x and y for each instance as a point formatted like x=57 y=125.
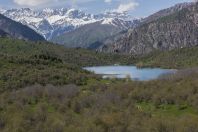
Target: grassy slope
x=65 y=98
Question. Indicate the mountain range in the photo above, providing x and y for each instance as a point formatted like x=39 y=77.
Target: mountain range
x=90 y=35
x=51 y=23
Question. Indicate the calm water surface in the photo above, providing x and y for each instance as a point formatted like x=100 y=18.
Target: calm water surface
x=133 y=72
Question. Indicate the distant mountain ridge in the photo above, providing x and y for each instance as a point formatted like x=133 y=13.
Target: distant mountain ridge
x=10 y=28
x=175 y=27
x=91 y=35
x=51 y=23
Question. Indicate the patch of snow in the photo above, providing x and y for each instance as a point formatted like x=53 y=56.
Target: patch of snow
x=32 y=19
x=55 y=18
x=108 y=21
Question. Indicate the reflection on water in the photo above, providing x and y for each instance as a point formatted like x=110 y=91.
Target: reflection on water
x=132 y=72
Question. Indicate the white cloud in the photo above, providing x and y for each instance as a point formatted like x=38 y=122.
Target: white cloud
x=33 y=2
x=124 y=5
x=41 y=3
x=108 y=1
x=127 y=7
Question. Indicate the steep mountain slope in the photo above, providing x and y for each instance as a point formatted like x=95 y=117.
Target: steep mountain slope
x=89 y=35
x=14 y=29
x=54 y=22
x=178 y=29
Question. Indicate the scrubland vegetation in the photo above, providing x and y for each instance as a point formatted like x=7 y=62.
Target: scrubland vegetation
x=44 y=89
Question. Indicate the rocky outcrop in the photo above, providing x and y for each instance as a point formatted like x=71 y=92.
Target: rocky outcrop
x=177 y=29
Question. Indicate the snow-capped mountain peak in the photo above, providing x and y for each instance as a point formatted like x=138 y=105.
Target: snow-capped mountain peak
x=53 y=22
x=48 y=10
x=108 y=21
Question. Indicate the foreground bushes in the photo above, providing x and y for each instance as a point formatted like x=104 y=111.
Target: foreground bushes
x=103 y=105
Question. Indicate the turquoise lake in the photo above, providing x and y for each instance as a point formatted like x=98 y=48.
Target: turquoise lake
x=141 y=74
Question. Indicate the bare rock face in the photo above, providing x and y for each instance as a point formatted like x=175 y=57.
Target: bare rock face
x=178 y=29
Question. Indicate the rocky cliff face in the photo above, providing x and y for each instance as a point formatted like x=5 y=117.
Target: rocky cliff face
x=176 y=29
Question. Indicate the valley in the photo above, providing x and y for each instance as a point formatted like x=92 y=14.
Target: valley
x=54 y=67
x=48 y=86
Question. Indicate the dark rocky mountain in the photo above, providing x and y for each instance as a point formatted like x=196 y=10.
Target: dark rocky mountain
x=175 y=27
x=92 y=35
x=17 y=30
x=3 y=34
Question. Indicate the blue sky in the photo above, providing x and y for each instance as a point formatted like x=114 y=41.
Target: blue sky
x=137 y=8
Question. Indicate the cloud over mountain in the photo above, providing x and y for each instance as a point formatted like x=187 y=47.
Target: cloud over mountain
x=33 y=2
x=127 y=7
x=107 y=1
